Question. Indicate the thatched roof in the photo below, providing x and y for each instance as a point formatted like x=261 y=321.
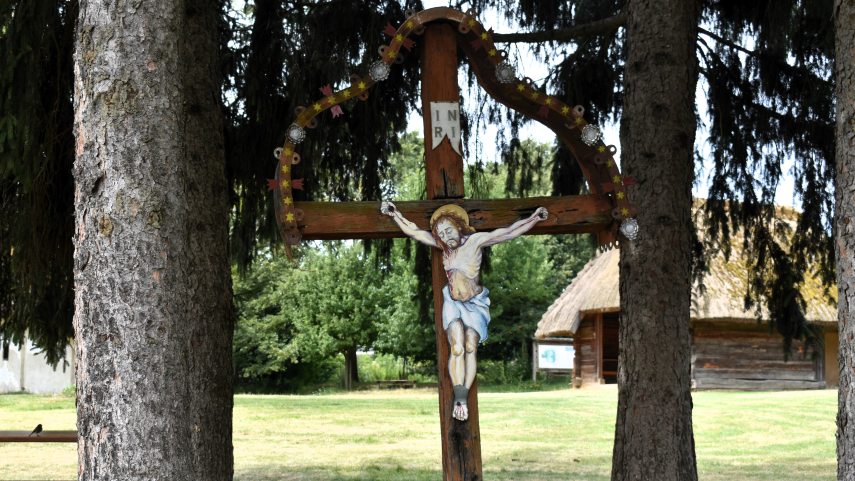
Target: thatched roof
x=595 y=289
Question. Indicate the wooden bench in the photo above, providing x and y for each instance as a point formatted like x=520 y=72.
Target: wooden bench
x=43 y=437
x=396 y=384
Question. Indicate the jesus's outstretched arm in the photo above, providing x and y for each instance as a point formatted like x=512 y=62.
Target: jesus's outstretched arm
x=407 y=227
x=513 y=231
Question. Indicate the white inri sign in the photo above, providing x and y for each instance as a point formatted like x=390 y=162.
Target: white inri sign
x=445 y=122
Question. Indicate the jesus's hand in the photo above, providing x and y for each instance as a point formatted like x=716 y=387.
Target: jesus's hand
x=387 y=208
x=541 y=213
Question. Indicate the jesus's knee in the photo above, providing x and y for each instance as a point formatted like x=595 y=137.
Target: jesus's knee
x=457 y=349
x=471 y=345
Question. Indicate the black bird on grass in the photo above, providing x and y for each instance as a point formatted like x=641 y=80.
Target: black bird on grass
x=37 y=431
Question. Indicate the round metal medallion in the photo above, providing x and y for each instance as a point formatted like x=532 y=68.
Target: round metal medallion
x=629 y=229
x=378 y=71
x=591 y=135
x=505 y=73
x=296 y=133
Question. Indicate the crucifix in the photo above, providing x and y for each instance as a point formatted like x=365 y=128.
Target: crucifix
x=604 y=211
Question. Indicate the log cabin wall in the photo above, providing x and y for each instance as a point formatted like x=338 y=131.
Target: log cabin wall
x=585 y=343
x=831 y=363
x=747 y=356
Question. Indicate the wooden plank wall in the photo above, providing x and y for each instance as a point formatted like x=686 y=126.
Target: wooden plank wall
x=831 y=361
x=586 y=350
x=745 y=357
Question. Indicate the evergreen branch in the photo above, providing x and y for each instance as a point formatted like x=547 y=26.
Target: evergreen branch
x=597 y=27
x=729 y=43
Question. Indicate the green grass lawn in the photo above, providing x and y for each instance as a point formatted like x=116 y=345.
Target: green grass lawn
x=554 y=435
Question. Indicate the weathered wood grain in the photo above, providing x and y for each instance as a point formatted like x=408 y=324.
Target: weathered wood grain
x=754 y=385
x=461 y=441
x=361 y=220
x=43 y=437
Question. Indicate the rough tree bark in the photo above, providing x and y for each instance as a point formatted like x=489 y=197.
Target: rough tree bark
x=653 y=435
x=844 y=226
x=153 y=293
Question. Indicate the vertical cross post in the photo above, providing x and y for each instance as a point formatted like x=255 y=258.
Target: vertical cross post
x=461 y=443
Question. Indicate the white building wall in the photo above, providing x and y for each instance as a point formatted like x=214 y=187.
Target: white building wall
x=10 y=370
x=28 y=370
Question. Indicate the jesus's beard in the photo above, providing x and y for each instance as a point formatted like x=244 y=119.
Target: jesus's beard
x=452 y=244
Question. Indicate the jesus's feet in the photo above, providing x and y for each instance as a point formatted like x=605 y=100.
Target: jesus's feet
x=461 y=411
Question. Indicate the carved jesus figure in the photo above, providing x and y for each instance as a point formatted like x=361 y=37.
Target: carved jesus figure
x=465 y=302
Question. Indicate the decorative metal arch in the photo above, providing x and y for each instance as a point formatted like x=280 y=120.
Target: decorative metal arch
x=498 y=78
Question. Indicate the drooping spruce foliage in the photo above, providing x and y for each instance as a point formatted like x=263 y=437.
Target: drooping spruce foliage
x=278 y=54
x=765 y=68
x=770 y=95
x=36 y=186
x=766 y=74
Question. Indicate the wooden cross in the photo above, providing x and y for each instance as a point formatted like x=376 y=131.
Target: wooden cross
x=598 y=212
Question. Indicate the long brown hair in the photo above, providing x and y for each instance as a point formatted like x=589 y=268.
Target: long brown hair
x=462 y=226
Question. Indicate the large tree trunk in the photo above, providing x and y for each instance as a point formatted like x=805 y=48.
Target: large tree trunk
x=653 y=435
x=844 y=226
x=153 y=293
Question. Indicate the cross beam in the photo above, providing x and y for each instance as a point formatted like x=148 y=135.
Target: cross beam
x=362 y=220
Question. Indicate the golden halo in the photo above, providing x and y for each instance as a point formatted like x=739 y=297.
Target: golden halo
x=452 y=209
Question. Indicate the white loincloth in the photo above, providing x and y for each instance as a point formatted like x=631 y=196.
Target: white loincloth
x=474 y=313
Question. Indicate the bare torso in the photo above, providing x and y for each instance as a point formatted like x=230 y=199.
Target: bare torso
x=463 y=269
